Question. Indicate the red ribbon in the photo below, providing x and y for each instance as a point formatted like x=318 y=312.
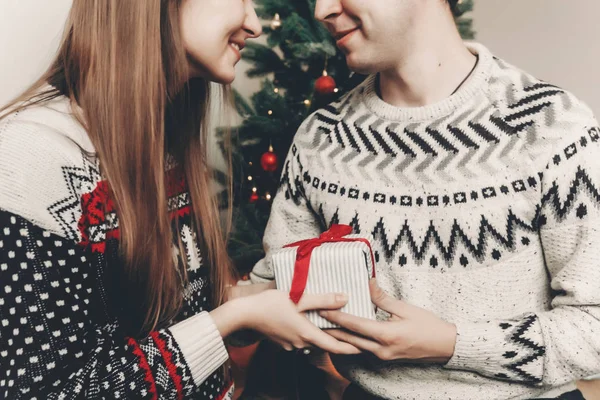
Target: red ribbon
x=305 y=248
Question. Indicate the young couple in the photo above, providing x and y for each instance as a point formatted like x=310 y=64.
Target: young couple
x=477 y=181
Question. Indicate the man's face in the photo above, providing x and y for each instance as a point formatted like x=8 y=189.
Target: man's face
x=375 y=35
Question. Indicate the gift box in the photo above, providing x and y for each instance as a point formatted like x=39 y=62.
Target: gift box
x=335 y=262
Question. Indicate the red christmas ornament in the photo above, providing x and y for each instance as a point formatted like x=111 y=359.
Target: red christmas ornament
x=253 y=197
x=269 y=161
x=325 y=84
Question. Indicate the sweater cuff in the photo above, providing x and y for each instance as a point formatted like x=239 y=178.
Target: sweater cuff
x=201 y=344
x=476 y=349
x=509 y=350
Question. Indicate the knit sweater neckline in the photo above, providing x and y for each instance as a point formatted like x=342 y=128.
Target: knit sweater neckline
x=474 y=84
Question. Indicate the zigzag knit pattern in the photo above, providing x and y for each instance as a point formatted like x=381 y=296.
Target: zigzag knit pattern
x=483 y=209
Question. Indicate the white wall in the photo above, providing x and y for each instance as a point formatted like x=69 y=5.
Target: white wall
x=556 y=40
x=30 y=31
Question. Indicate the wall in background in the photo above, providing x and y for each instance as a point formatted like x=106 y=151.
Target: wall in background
x=556 y=40
x=30 y=31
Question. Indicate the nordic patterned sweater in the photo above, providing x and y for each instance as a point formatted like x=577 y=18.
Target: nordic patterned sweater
x=61 y=335
x=484 y=209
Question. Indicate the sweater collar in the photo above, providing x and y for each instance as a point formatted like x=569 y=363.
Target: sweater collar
x=477 y=82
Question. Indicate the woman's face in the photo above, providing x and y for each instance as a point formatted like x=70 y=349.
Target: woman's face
x=214 y=32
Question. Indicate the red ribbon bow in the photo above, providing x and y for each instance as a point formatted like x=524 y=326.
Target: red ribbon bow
x=305 y=248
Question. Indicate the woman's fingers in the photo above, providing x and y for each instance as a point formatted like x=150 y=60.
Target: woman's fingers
x=320 y=339
x=304 y=349
x=328 y=301
x=287 y=346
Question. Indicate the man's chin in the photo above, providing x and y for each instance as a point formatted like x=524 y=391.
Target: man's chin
x=360 y=66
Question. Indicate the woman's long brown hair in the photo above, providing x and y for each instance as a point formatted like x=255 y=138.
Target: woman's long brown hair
x=124 y=68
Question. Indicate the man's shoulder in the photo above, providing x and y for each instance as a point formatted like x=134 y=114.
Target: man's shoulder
x=520 y=93
x=325 y=119
x=525 y=103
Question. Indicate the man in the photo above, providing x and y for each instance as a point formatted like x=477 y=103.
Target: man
x=480 y=186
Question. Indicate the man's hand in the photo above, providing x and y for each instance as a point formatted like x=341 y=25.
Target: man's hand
x=411 y=333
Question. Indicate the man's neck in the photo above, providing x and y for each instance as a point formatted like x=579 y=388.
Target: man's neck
x=429 y=73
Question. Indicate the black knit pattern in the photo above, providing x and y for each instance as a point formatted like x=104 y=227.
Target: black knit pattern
x=61 y=336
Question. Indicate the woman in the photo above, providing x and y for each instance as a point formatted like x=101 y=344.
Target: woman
x=105 y=291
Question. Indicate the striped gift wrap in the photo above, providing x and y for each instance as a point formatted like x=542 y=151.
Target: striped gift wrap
x=342 y=267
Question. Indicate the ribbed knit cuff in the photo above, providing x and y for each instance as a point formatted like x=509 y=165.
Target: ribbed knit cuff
x=201 y=344
x=509 y=350
x=479 y=348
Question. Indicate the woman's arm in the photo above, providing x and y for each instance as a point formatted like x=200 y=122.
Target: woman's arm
x=58 y=341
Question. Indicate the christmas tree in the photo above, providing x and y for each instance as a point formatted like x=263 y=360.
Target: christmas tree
x=302 y=70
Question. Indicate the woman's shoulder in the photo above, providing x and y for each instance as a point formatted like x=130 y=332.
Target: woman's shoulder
x=50 y=121
x=45 y=166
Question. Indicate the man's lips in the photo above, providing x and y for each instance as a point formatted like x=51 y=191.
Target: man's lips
x=341 y=34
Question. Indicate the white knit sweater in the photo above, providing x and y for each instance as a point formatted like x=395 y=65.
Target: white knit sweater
x=484 y=209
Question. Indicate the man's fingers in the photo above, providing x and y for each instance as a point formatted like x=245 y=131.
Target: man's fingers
x=388 y=303
x=329 y=301
x=379 y=297
x=328 y=343
x=356 y=341
x=362 y=326
x=332 y=345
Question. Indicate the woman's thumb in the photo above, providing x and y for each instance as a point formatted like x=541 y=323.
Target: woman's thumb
x=328 y=301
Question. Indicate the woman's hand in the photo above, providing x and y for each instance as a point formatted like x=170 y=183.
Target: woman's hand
x=273 y=314
x=237 y=291
x=411 y=333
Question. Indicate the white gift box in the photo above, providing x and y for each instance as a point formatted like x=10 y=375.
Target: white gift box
x=335 y=267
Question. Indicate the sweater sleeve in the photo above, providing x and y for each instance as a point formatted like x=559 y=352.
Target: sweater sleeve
x=292 y=218
x=563 y=343
x=58 y=343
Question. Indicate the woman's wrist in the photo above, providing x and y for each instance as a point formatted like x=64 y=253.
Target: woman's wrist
x=233 y=316
x=250 y=309
x=244 y=290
